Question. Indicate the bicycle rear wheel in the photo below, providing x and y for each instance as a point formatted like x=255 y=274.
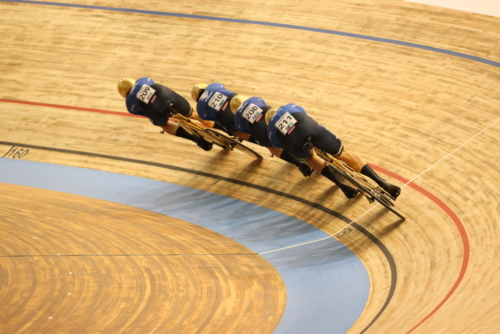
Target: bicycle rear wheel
x=234 y=144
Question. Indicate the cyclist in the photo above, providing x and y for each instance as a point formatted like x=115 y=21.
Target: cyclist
x=290 y=128
x=212 y=104
x=251 y=126
x=157 y=102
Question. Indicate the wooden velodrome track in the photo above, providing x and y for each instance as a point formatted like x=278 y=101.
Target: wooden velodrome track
x=425 y=111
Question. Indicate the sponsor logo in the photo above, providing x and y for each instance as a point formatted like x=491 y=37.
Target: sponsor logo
x=205 y=96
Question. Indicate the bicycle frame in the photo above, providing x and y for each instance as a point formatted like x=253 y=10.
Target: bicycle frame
x=368 y=189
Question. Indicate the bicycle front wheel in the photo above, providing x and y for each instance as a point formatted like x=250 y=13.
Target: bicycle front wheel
x=370 y=191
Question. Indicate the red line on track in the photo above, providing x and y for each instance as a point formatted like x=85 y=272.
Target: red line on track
x=440 y=203
x=460 y=227
x=71 y=108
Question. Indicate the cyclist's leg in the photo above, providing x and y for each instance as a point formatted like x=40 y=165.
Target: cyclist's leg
x=283 y=155
x=244 y=136
x=316 y=162
x=352 y=160
x=194 y=115
x=328 y=142
x=322 y=167
x=182 y=107
x=297 y=144
x=362 y=167
x=171 y=128
x=174 y=129
x=275 y=151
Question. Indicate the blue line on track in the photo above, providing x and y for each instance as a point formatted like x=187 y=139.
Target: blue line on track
x=270 y=24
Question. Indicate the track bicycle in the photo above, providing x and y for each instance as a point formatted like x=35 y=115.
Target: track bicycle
x=213 y=136
x=369 y=189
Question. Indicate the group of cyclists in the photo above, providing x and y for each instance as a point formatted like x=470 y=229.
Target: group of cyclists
x=287 y=131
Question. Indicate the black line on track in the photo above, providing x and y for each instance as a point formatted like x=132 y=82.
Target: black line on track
x=368 y=234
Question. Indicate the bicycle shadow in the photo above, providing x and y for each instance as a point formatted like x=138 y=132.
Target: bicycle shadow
x=382 y=212
x=325 y=255
x=373 y=235
x=220 y=152
x=249 y=165
x=392 y=227
x=332 y=201
x=278 y=226
x=285 y=228
x=218 y=159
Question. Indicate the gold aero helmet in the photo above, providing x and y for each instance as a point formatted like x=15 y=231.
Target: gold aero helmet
x=270 y=113
x=195 y=91
x=125 y=85
x=236 y=102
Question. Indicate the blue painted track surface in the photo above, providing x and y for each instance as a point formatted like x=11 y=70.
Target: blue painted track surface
x=327 y=285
